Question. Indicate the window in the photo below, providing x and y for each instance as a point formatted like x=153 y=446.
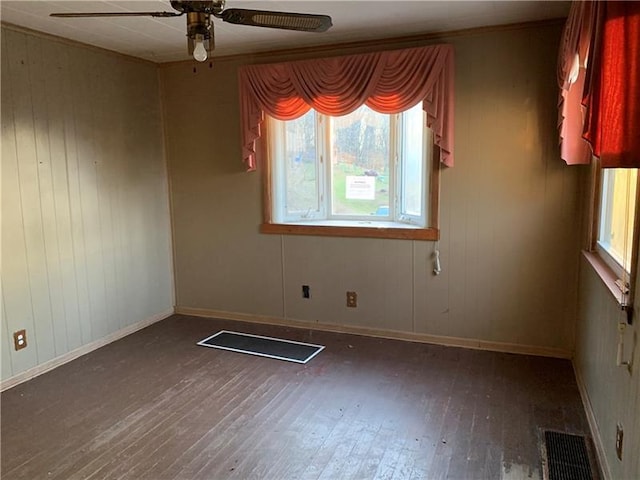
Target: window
x=366 y=170
x=616 y=219
x=614 y=233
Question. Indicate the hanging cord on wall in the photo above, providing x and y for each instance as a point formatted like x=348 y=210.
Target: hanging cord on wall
x=436 y=255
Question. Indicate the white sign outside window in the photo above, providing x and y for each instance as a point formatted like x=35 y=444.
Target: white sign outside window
x=361 y=188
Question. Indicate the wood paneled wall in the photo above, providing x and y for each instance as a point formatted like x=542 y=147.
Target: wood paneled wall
x=86 y=247
x=509 y=246
x=613 y=392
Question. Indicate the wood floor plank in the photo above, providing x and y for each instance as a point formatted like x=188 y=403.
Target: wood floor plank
x=146 y=438
x=156 y=406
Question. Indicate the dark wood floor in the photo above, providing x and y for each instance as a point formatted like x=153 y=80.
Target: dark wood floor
x=156 y=406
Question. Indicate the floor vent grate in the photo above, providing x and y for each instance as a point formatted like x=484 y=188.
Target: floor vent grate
x=567 y=457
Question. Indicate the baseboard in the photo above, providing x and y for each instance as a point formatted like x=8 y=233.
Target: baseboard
x=382 y=333
x=83 y=350
x=605 y=471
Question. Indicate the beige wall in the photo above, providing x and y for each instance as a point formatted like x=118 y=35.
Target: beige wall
x=613 y=393
x=85 y=219
x=509 y=244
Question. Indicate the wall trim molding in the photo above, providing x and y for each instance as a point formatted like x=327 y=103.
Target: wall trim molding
x=80 y=351
x=603 y=464
x=475 y=344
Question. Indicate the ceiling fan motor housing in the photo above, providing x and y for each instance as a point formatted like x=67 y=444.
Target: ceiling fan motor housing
x=209 y=7
x=200 y=27
x=199 y=24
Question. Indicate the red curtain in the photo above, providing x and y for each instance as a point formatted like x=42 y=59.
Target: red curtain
x=387 y=82
x=613 y=119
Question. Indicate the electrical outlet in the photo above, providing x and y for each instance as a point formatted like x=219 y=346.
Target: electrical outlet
x=306 y=291
x=619 y=437
x=352 y=299
x=20 y=339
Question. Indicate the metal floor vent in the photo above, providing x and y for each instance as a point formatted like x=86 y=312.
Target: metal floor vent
x=566 y=457
x=289 y=350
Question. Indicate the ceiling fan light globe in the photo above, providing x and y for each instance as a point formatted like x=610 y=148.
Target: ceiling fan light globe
x=199 y=52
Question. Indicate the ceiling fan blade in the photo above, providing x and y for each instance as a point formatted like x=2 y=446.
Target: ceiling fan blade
x=305 y=22
x=115 y=14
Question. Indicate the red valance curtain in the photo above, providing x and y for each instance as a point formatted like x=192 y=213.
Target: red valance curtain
x=613 y=118
x=599 y=80
x=387 y=82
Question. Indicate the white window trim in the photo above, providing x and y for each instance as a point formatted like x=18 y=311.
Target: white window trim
x=427 y=142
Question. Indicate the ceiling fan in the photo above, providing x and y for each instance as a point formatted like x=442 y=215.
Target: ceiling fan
x=200 y=27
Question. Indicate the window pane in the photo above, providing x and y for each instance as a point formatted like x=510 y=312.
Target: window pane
x=301 y=165
x=412 y=157
x=360 y=164
x=617 y=211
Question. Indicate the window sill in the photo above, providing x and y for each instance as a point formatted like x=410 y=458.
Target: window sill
x=353 y=229
x=606 y=274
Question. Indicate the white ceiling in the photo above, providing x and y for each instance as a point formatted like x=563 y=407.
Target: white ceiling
x=163 y=39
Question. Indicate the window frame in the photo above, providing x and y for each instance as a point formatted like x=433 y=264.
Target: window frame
x=605 y=197
x=352 y=228
x=607 y=268
x=400 y=168
x=328 y=174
